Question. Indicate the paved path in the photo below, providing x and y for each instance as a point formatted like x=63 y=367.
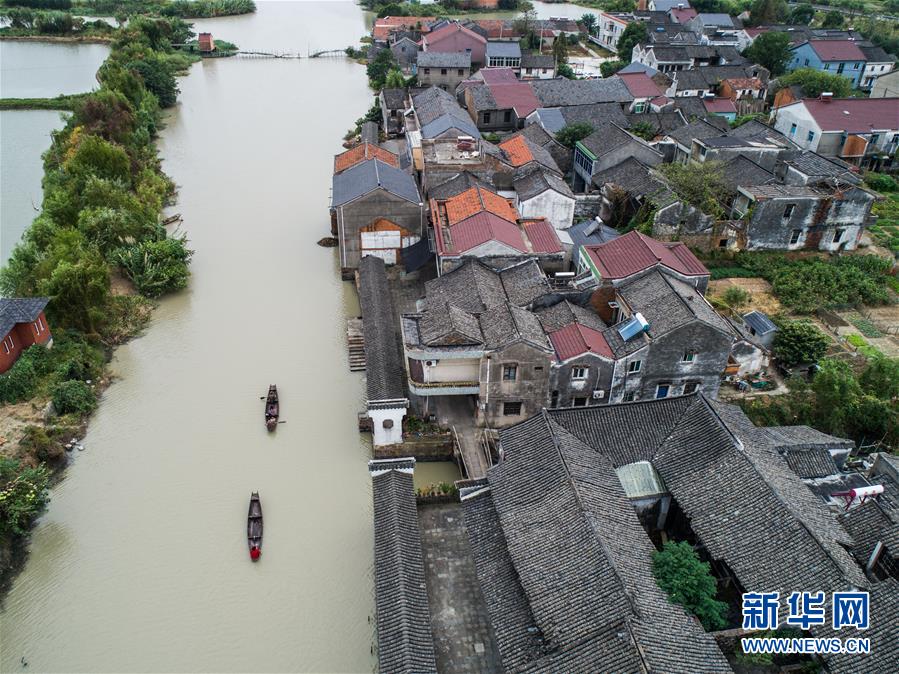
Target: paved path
x=463 y=639
x=457 y=412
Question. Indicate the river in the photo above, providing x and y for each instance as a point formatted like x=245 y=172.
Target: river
x=140 y=562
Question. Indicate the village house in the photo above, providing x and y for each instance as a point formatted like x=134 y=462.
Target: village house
x=361 y=153
x=836 y=57
x=384 y=27
x=376 y=209
x=794 y=217
x=501 y=102
x=22 y=324
x=405 y=51
x=393 y=108
x=861 y=131
x=886 y=86
x=443 y=69
x=669 y=58
x=544 y=194
x=503 y=54
x=537 y=67
x=607 y=147
x=480 y=223
x=877 y=63
x=680 y=468
x=454 y=37
x=610 y=26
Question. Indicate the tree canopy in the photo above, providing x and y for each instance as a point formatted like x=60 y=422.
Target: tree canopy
x=766 y=12
x=635 y=33
x=771 y=50
x=799 y=342
x=814 y=82
x=698 y=185
x=802 y=14
x=688 y=581
x=833 y=19
x=570 y=134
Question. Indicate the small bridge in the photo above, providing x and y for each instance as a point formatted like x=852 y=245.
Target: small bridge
x=290 y=55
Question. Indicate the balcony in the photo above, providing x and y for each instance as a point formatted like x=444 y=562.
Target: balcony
x=444 y=388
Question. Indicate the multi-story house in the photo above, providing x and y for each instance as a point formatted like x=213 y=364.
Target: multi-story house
x=877 y=63
x=837 y=57
x=610 y=26
x=861 y=131
x=454 y=37
x=443 y=69
x=605 y=148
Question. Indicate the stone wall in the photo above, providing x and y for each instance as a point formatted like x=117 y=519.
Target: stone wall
x=586 y=206
x=437 y=447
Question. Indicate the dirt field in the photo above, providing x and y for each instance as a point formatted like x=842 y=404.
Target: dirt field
x=759 y=290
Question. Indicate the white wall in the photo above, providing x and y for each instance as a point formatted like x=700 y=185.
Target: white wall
x=451 y=370
x=555 y=207
x=387 y=436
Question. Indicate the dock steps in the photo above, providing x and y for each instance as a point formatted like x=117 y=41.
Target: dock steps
x=355 y=344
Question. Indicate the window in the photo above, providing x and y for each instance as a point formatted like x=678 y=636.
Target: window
x=8 y=344
x=507 y=116
x=855 y=66
x=843 y=138
x=722 y=243
x=443 y=71
x=583 y=162
x=792 y=129
x=794 y=236
x=826 y=66
x=427 y=71
x=788 y=211
x=838 y=235
x=806 y=61
x=538 y=368
x=689 y=356
x=579 y=373
x=691 y=387
x=554 y=399
x=629 y=397
x=511 y=409
x=840 y=68
x=810 y=137
x=662 y=390
x=634 y=366
x=460 y=72
x=580 y=402
x=874 y=138
x=702 y=151
x=486 y=118
x=639 y=107
x=510 y=372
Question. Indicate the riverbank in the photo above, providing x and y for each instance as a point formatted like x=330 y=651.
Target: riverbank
x=59 y=39
x=66 y=102
x=104 y=194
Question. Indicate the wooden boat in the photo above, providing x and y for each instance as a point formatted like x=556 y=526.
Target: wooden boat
x=254 y=526
x=271 y=408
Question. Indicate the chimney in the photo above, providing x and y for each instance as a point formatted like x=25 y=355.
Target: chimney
x=826 y=96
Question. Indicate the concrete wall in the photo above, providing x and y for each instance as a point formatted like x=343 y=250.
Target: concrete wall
x=362 y=212
x=555 y=207
x=599 y=377
x=451 y=370
x=387 y=425
x=445 y=78
x=664 y=362
x=529 y=388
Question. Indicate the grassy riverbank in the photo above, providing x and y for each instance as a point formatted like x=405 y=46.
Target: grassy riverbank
x=65 y=102
x=99 y=251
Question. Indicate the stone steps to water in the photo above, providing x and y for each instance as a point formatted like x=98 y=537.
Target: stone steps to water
x=355 y=344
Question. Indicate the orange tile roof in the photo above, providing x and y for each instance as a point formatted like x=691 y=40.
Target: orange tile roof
x=475 y=200
x=518 y=151
x=362 y=153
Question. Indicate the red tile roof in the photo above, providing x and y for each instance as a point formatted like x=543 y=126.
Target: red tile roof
x=384 y=26
x=498 y=75
x=518 y=151
x=640 y=85
x=837 y=50
x=361 y=153
x=576 y=339
x=519 y=96
x=444 y=32
x=854 y=115
x=475 y=200
x=682 y=15
x=496 y=28
x=635 y=252
x=477 y=230
x=719 y=105
x=542 y=235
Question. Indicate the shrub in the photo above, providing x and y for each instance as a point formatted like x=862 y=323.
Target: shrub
x=74 y=397
x=688 y=581
x=799 y=342
x=23 y=492
x=19 y=382
x=570 y=134
x=157 y=267
x=37 y=442
x=881 y=182
x=736 y=297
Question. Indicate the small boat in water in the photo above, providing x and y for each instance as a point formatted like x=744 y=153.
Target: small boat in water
x=254 y=526
x=271 y=408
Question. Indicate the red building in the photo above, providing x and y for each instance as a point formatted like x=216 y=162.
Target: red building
x=22 y=323
x=207 y=44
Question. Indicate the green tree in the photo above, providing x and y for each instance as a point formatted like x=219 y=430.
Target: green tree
x=634 y=34
x=735 y=297
x=764 y=12
x=78 y=287
x=802 y=14
x=881 y=377
x=157 y=267
x=698 y=185
x=97 y=157
x=394 y=80
x=609 y=68
x=19 y=382
x=837 y=393
x=799 y=342
x=570 y=134
x=814 y=82
x=74 y=397
x=771 y=50
x=644 y=130
x=159 y=78
x=688 y=581
x=833 y=19
x=560 y=51
x=108 y=114
x=23 y=493
x=588 y=21
x=377 y=69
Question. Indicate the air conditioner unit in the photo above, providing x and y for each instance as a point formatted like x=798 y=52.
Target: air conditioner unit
x=599 y=394
x=431 y=363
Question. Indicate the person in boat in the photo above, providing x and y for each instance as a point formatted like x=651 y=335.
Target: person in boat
x=255 y=552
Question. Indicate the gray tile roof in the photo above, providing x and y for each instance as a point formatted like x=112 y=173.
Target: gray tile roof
x=369 y=176
x=597 y=115
x=560 y=92
x=383 y=361
x=474 y=287
x=439 y=59
x=538 y=182
x=506 y=323
x=370 y=133
x=433 y=103
x=810 y=463
x=503 y=49
x=609 y=138
x=394 y=99
x=444 y=123
x=635 y=178
x=817 y=167
x=699 y=128
x=456 y=184
x=538 y=61
x=571 y=546
x=19 y=310
x=565 y=313
x=449 y=326
x=742 y=171
x=884 y=656
x=405 y=642
x=866 y=523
